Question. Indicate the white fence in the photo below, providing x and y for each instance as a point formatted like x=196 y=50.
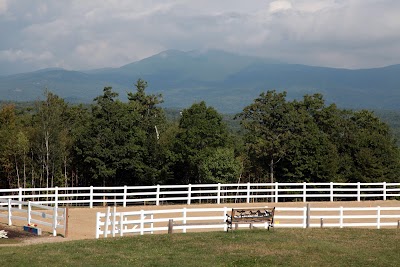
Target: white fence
x=32 y=213
x=156 y=221
x=207 y=193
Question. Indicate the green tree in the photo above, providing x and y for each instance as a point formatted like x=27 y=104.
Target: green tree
x=7 y=136
x=312 y=156
x=201 y=132
x=220 y=167
x=269 y=123
x=111 y=146
x=50 y=120
x=153 y=123
x=374 y=152
x=317 y=143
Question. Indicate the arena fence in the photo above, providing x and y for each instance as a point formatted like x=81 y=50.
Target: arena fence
x=113 y=223
x=53 y=218
x=205 y=193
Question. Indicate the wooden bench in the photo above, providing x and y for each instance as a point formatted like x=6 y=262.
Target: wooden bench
x=250 y=216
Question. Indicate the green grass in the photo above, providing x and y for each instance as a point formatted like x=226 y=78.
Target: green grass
x=279 y=247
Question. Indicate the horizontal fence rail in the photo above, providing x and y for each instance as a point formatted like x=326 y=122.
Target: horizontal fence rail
x=53 y=218
x=204 y=193
x=113 y=223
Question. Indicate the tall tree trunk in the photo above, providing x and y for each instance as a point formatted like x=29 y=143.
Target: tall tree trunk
x=52 y=175
x=32 y=173
x=271 y=170
x=65 y=172
x=42 y=172
x=47 y=157
x=17 y=171
x=24 y=170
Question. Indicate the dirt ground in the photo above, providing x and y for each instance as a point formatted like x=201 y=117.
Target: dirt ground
x=82 y=220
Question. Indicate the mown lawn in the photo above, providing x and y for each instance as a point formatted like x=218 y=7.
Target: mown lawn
x=279 y=247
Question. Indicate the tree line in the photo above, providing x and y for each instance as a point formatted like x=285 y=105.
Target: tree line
x=114 y=142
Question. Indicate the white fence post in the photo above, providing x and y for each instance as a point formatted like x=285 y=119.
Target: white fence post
x=331 y=191
x=378 y=217
x=341 y=217
x=107 y=221
x=125 y=196
x=358 y=192
x=91 y=196
x=152 y=223
x=225 y=213
x=20 y=197
x=158 y=196
x=184 y=212
x=97 y=225
x=9 y=212
x=189 y=196
x=142 y=222
x=384 y=190
x=121 y=224
x=248 y=192
x=56 y=196
x=219 y=193
x=304 y=192
x=276 y=192
x=114 y=217
x=29 y=212
x=55 y=214
x=304 y=217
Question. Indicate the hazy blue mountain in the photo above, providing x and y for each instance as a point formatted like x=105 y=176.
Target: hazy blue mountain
x=224 y=80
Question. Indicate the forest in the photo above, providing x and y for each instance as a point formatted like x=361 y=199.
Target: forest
x=136 y=142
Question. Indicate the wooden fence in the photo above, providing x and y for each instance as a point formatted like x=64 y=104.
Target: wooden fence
x=158 y=221
x=205 y=193
x=53 y=218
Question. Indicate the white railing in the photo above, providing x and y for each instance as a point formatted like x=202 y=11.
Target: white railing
x=209 y=193
x=33 y=213
x=157 y=221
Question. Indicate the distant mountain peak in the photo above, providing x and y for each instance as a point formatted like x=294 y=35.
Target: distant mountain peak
x=49 y=69
x=169 y=53
x=225 y=80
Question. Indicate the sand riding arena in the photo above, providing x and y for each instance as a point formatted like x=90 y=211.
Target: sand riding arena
x=83 y=221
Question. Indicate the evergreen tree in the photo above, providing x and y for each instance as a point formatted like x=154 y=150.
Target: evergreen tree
x=153 y=123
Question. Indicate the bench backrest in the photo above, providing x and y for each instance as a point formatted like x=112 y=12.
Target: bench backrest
x=252 y=214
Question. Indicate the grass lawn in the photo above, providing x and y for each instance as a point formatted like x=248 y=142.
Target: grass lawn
x=279 y=247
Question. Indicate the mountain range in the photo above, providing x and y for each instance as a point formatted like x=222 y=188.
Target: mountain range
x=224 y=80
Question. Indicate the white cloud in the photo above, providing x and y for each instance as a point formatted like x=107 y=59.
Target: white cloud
x=280 y=5
x=25 y=56
x=90 y=34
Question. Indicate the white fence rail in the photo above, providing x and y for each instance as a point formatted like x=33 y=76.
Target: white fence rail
x=156 y=221
x=210 y=193
x=53 y=218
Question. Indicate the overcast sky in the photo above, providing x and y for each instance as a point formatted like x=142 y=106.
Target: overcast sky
x=87 y=34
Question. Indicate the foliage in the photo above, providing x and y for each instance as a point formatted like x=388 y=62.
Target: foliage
x=220 y=167
x=309 y=141
x=52 y=143
x=270 y=124
x=201 y=132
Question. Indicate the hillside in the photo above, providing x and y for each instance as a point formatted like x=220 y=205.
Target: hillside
x=224 y=80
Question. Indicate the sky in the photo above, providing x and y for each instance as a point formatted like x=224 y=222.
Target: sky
x=90 y=34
